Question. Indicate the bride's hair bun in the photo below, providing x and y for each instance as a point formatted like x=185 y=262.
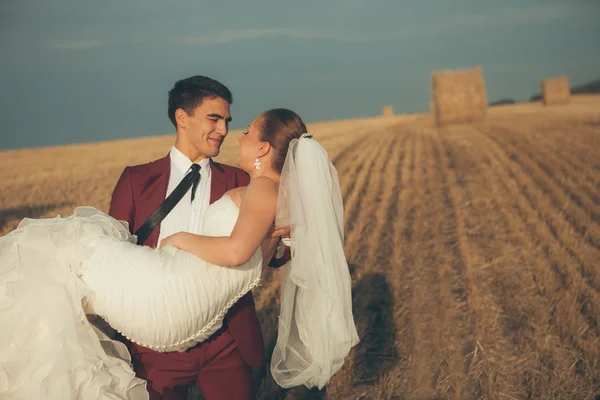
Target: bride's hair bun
x=278 y=127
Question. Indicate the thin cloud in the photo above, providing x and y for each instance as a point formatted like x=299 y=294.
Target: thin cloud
x=76 y=45
x=221 y=37
x=524 y=15
x=504 y=17
x=233 y=35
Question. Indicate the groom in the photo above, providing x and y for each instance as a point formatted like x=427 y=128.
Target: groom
x=221 y=366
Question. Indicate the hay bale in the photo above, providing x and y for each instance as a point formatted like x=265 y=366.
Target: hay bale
x=556 y=91
x=459 y=96
x=388 y=111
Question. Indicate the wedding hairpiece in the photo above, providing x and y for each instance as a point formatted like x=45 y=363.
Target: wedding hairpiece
x=306 y=135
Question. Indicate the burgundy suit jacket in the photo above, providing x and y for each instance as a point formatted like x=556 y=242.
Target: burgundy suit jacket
x=140 y=190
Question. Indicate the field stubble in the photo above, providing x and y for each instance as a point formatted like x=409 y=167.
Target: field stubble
x=474 y=249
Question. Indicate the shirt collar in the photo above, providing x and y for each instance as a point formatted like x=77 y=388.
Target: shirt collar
x=183 y=164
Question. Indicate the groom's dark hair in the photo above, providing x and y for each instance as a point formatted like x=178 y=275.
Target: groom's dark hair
x=189 y=93
x=278 y=127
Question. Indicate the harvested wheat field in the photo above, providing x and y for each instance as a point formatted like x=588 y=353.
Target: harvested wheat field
x=474 y=248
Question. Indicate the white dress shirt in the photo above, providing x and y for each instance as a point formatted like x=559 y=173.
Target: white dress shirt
x=186 y=216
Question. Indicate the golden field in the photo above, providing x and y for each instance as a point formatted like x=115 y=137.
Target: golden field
x=474 y=248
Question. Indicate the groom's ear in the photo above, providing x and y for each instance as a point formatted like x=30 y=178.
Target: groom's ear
x=181 y=118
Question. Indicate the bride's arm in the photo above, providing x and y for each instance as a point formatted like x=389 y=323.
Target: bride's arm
x=257 y=213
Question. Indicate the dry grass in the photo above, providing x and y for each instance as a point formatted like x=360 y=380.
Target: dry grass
x=474 y=249
x=458 y=96
x=556 y=91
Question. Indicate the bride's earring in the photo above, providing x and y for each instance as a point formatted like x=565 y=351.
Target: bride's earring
x=257 y=162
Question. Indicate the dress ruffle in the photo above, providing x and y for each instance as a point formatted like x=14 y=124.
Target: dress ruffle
x=48 y=349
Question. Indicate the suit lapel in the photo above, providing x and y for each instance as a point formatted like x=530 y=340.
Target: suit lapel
x=218 y=181
x=153 y=193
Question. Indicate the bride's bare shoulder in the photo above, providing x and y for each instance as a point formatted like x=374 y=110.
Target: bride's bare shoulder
x=262 y=186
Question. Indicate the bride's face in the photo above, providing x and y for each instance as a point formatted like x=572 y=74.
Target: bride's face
x=250 y=145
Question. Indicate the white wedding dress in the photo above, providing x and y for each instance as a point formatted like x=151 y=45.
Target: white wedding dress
x=54 y=271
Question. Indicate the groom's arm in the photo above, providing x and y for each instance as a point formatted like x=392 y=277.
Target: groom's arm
x=122 y=209
x=122 y=206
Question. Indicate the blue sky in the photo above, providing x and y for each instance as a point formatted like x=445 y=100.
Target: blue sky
x=75 y=71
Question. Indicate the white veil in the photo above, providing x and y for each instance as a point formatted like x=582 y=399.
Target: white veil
x=316 y=326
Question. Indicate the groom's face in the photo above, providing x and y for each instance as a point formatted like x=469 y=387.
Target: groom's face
x=206 y=129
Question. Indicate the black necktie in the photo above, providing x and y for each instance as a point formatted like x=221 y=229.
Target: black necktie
x=190 y=180
x=195 y=180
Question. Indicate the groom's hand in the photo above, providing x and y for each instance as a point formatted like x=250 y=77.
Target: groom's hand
x=170 y=241
x=283 y=231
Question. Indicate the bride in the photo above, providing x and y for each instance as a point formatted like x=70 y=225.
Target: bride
x=55 y=271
